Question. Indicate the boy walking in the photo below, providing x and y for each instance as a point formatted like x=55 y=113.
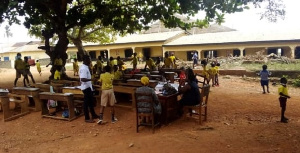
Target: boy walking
x=283 y=93
x=264 y=78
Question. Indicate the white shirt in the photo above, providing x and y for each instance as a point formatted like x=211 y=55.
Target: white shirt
x=84 y=72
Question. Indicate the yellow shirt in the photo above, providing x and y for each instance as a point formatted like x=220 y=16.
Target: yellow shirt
x=118 y=75
x=113 y=62
x=19 y=64
x=38 y=66
x=168 y=62
x=134 y=60
x=283 y=90
x=107 y=80
x=204 y=72
x=172 y=58
x=150 y=63
x=213 y=70
x=57 y=75
x=99 y=65
x=217 y=69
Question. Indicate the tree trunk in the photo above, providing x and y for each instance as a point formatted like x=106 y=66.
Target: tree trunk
x=80 y=48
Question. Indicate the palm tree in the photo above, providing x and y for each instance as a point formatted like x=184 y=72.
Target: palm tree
x=220 y=18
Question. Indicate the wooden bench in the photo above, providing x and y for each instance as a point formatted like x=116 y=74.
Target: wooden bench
x=29 y=92
x=59 y=97
x=19 y=100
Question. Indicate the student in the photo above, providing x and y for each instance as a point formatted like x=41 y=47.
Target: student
x=264 y=78
x=118 y=74
x=134 y=61
x=20 y=69
x=99 y=65
x=57 y=73
x=168 y=61
x=120 y=63
x=38 y=67
x=212 y=73
x=150 y=63
x=283 y=95
x=27 y=71
x=75 y=67
x=204 y=73
x=107 y=94
x=217 y=74
x=87 y=88
x=182 y=76
x=173 y=59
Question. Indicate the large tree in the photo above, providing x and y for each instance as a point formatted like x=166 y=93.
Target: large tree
x=59 y=16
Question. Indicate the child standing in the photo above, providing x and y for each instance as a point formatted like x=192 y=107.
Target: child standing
x=264 y=78
x=283 y=93
x=38 y=67
x=217 y=74
x=27 y=71
x=107 y=95
x=75 y=67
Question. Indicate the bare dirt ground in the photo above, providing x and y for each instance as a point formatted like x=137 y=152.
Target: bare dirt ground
x=240 y=119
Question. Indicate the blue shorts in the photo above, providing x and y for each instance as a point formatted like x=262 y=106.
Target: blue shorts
x=264 y=82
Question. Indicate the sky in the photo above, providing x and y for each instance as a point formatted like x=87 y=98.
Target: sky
x=247 y=21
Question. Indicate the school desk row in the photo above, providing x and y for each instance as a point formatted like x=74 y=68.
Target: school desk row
x=69 y=94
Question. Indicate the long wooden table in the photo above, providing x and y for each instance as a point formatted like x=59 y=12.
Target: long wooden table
x=60 y=97
x=169 y=106
x=29 y=92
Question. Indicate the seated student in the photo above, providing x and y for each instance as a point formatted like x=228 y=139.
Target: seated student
x=182 y=76
x=190 y=90
x=146 y=89
x=118 y=74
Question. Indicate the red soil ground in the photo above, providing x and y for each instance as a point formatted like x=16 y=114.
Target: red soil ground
x=240 y=119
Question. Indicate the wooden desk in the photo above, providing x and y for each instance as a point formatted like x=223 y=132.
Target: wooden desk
x=29 y=92
x=66 y=82
x=121 y=89
x=46 y=87
x=5 y=101
x=60 y=97
x=169 y=106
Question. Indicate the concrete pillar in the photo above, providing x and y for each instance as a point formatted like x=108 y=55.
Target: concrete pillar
x=108 y=53
x=199 y=54
x=241 y=52
x=163 y=52
x=293 y=48
x=133 y=49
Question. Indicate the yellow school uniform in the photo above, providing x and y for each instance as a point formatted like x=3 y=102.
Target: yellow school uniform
x=107 y=80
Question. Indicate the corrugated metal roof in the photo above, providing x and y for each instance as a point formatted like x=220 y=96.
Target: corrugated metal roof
x=233 y=37
x=153 y=37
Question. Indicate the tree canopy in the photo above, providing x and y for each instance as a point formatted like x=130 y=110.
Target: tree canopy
x=125 y=16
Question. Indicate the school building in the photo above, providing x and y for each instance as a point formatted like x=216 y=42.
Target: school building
x=207 y=44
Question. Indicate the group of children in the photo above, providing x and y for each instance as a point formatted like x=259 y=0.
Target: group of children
x=210 y=74
x=282 y=90
x=22 y=67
